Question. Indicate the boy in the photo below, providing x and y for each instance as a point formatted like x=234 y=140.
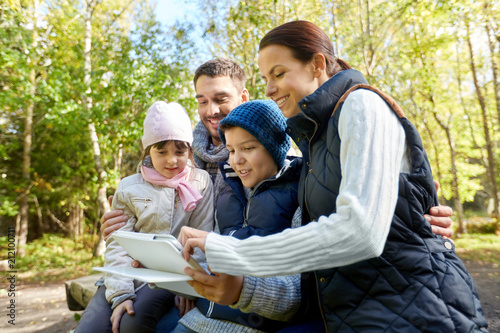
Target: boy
x=261 y=199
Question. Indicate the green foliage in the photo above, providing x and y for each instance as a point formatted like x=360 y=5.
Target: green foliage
x=481 y=225
x=415 y=50
x=130 y=71
x=8 y=208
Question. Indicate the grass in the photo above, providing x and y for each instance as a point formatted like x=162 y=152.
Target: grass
x=54 y=258
x=479 y=247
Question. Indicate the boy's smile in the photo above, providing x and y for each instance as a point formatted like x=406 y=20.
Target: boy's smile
x=248 y=157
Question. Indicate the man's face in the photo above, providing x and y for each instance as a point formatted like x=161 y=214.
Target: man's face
x=216 y=97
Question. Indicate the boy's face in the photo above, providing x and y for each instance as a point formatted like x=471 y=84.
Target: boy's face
x=248 y=157
x=169 y=160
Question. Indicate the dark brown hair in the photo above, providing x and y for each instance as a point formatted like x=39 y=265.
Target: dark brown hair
x=305 y=39
x=222 y=67
x=178 y=144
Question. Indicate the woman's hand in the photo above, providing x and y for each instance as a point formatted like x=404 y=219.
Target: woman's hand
x=219 y=288
x=116 y=316
x=191 y=238
x=440 y=219
x=184 y=305
x=112 y=221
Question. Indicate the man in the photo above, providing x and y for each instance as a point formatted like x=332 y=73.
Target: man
x=220 y=87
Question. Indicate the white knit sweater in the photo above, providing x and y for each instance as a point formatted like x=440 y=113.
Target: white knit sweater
x=373 y=152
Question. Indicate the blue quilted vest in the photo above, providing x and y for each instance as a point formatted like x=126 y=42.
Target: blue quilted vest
x=418 y=283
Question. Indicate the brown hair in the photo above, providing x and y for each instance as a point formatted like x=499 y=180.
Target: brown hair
x=305 y=39
x=222 y=67
x=178 y=144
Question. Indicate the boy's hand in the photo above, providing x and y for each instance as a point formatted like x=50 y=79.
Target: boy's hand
x=220 y=288
x=191 y=238
x=116 y=317
x=136 y=264
x=184 y=305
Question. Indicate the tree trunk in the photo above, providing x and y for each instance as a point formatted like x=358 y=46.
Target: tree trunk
x=101 y=192
x=462 y=228
x=335 y=30
x=22 y=232
x=75 y=221
x=494 y=69
x=489 y=143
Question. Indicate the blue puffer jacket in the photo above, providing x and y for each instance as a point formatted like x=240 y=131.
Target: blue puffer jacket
x=418 y=283
x=269 y=209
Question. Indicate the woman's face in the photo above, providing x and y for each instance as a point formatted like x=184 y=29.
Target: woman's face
x=288 y=80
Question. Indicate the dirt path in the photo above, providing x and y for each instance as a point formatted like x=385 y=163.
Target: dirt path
x=487 y=280
x=43 y=309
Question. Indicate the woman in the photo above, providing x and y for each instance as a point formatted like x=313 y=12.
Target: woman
x=376 y=264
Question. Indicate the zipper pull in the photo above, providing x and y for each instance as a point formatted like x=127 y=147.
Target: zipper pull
x=146 y=203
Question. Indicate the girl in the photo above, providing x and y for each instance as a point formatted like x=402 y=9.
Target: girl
x=167 y=194
x=364 y=188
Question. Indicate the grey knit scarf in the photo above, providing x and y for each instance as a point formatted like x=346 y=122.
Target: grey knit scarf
x=201 y=148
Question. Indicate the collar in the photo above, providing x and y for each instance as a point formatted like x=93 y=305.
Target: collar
x=316 y=108
x=290 y=170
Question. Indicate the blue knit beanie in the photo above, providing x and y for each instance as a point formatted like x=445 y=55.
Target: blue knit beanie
x=264 y=120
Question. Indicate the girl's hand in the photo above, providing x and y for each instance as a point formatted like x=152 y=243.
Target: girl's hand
x=116 y=317
x=219 y=288
x=191 y=238
x=184 y=305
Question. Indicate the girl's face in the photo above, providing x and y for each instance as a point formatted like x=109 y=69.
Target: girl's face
x=169 y=160
x=288 y=80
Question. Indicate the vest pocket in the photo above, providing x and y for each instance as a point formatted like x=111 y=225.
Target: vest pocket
x=141 y=205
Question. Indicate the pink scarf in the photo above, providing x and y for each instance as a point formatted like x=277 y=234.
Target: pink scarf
x=188 y=194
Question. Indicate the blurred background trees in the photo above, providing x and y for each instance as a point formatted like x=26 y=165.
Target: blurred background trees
x=77 y=76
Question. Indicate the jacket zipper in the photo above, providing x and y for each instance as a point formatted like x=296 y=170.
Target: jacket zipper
x=305 y=203
x=245 y=222
x=309 y=164
x=319 y=301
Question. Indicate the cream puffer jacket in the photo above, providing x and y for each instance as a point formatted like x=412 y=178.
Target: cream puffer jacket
x=153 y=209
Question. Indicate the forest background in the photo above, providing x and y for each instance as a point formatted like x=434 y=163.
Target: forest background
x=77 y=76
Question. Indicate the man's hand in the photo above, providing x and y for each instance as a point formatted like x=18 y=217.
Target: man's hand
x=116 y=317
x=112 y=221
x=219 y=288
x=191 y=238
x=184 y=305
x=440 y=219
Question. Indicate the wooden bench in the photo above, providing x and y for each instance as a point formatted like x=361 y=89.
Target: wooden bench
x=80 y=291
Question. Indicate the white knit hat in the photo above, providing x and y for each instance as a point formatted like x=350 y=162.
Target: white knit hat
x=166 y=122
